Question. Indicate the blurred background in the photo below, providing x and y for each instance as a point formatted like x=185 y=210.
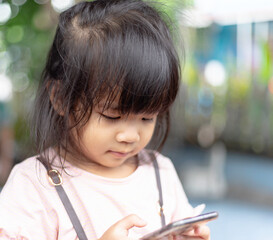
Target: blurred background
x=221 y=139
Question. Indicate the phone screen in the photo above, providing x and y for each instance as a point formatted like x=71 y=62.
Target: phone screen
x=180 y=226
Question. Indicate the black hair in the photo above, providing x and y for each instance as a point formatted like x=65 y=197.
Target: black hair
x=105 y=48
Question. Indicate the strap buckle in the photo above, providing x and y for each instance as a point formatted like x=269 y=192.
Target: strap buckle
x=55 y=177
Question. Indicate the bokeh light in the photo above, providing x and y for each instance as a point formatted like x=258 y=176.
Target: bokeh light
x=215 y=73
x=14 y=52
x=4 y=61
x=206 y=135
x=14 y=11
x=5 y=12
x=61 y=5
x=42 y=20
x=19 y=2
x=20 y=82
x=5 y=88
x=15 y=34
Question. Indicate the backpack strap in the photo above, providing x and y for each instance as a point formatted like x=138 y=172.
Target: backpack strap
x=55 y=179
x=159 y=186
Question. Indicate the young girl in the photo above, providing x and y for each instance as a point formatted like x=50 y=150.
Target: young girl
x=111 y=76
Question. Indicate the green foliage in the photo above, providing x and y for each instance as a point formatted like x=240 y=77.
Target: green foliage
x=25 y=43
x=266 y=64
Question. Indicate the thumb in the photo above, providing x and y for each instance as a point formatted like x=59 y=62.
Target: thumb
x=130 y=221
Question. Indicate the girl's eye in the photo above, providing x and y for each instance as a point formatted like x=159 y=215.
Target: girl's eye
x=148 y=119
x=110 y=117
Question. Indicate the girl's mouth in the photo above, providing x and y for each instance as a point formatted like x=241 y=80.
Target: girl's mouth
x=119 y=154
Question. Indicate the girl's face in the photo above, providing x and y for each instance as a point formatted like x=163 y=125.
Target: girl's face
x=110 y=140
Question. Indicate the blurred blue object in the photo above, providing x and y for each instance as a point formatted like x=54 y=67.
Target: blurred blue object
x=246 y=209
x=240 y=220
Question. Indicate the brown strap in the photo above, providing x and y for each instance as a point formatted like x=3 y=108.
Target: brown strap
x=158 y=182
x=56 y=180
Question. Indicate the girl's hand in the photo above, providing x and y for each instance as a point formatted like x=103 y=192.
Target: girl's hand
x=119 y=231
x=201 y=232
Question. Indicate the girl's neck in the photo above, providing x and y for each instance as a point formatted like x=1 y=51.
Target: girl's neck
x=122 y=171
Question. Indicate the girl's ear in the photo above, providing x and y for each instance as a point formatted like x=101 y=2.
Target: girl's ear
x=54 y=96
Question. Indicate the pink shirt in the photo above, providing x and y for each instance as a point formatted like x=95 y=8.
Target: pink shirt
x=31 y=208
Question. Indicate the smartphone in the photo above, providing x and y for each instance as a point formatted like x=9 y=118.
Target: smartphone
x=180 y=226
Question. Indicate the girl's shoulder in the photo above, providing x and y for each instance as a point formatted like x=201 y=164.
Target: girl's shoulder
x=34 y=170
x=29 y=170
x=26 y=166
x=27 y=198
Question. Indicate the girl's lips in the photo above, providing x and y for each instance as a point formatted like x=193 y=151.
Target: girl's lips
x=119 y=154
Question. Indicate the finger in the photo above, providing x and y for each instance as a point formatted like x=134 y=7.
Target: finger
x=131 y=221
x=189 y=232
x=203 y=231
x=200 y=231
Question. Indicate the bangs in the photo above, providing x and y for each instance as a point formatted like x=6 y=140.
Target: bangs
x=140 y=74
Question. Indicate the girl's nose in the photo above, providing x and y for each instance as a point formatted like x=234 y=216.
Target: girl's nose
x=129 y=135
